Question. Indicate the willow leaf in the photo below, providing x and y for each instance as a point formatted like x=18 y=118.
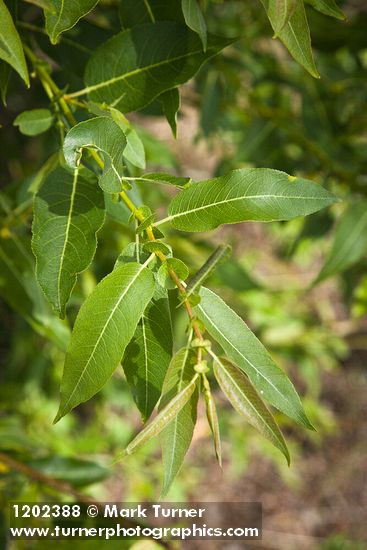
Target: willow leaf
x=163 y=179
x=103 y=328
x=245 y=399
x=163 y=418
x=149 y=353
x=137 y=12
x=34 y=122
x=221 y=252
x=176 y=438
x=136 y=66
x=107 y=137
x=280 y=12
x=62 y=15
x=258 y=194
x=171 y=104
x=327 y=7
x=68 y=212
x=11 y=49
x=248 y=353
x=350 y=242
x=194 y=19
x=295 y=35
x=211 y=414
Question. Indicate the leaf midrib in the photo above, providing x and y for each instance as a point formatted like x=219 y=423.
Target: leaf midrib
x=102 y=333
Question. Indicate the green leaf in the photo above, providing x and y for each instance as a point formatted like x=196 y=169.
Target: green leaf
x=163 y=418
x=5 y=72
x=327 y=7
x=11 y=49
x=258 y=194
x=134 y=151
x=104 y=326
x=248 y=353
x=176 y=438
x=211 y=414
x=137 y=12
x=75 y=471
x=64 y=14
x=171 y=264
x=34 y=122
x=107 y=137
x=295 y=35
x=245 y=399
x=221 y=252
x=194 y=19
x=350 y=242
x=149 y=353
x=135 y=66
x=164 y=179
x=20 y=290
x=157 y=246
x=68 y=212
x=171 y=104
x=280 y=12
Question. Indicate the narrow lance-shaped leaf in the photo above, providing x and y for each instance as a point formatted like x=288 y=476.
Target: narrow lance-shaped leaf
x=171 y=104
x=11 y=49
x=148 y=354
x=244 y=398
x=211 y=413
x=280 y=11
x=219 y=254
x=295 y=35
x=34 y=122
x=327 y=7
x=107 y=137
x=350 y=242
x=248 y=353
x=62 y=15
x=135 y=66
x=68 y=212
x=194 y=19
x=104 y=326
x=163 y=179
x=163 y=418
x=176 y=437
x=258 y=194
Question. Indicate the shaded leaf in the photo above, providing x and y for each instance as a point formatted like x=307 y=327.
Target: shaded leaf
x=176 y=438
x=107 y=137
x=75 y=471
x=62 y=15
x=327 y=7
x=350 y=242
x=134 y=151
x=135 y=66
x=68 y=212
x=149 y=353
x=194 y=19
x=195 y=282
x=295 y=35
x=171 y=104
x=34 y=122
x=245 y=399
x=104 y=326
x=137 y=12
x=163 y=418
x=5 y=71
x=248 y=353
x=258 y=194
x=11 y=49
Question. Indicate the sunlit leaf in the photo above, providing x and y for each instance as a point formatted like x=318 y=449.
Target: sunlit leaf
x=258 y=194
x=104 y=326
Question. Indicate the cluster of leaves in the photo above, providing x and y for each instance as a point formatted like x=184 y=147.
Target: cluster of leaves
x=97 y=165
